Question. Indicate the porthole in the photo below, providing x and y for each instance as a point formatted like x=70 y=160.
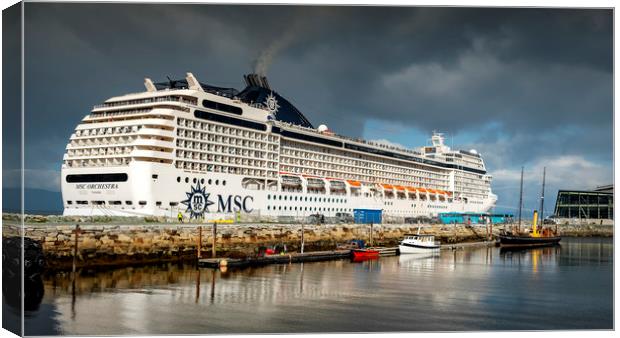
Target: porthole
x=268 y=197
x=268 y=207
x=194 y=180
x=186 y=180
x=202 y=181
x=217 y=182
x=209 y=181
x=224 y=182
x=178 y=179
x=280 y=197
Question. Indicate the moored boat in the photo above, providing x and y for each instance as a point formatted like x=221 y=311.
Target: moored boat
x=417 y=244
x=363 y=254
x=537 y=236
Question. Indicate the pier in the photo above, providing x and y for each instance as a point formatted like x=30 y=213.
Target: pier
x=295 y=257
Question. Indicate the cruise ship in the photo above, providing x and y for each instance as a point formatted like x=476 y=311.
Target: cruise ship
x=208 y=152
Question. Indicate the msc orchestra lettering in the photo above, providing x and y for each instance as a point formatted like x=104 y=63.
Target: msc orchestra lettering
x=208 y=151
x=97 y=186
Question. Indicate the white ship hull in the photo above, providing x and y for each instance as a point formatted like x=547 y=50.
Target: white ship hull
x=163 y=196
x=164 y=152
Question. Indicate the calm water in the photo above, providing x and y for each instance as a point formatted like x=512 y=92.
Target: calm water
x=567 y=287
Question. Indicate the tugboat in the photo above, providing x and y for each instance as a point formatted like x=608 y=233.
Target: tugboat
x=537 y=236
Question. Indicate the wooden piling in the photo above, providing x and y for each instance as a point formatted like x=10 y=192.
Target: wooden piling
x=75 y=246
x=302 y=237
x=199 y=244
x=214 y=240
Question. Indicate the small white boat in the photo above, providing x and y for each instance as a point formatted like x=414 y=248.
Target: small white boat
x=416 y=244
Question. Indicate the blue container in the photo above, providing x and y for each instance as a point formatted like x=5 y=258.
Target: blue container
x=472 y=218
x=367 y=216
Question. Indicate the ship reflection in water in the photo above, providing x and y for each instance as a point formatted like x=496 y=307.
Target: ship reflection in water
x=471 y=289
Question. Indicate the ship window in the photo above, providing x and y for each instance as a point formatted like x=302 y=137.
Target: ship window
x=128 y=202
x=224 y=182
x=173 y=204
x=158 y=203
x=178 y=179
x=142 y=202
x=229 y=120
x=69 y=202
x=81 y=202
x=86 y=178
x=114 y=202
x=222 y=107
x=217 y=182
x=268 y=207
x=268 y=197
x=202 y=180
x=154 y=176
x=98 y=202
x=209 y=181
x=194 y=180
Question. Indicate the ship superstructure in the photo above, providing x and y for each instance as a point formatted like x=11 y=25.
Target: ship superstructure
x=211 y=152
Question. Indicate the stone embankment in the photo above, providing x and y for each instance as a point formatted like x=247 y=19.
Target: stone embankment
x=140 y=242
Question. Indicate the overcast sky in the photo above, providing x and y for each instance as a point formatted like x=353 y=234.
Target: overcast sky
x=525 y=87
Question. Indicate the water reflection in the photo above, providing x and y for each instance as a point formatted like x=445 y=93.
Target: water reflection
x=481 y=288
x=536 y=257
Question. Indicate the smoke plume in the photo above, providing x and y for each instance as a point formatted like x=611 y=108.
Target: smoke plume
x=268 y=54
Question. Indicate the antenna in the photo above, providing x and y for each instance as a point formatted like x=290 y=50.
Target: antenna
x=542 y=197
x=172 y=82
x=520 y=201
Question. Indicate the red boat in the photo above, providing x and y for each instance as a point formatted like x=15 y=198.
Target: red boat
x=363 y=254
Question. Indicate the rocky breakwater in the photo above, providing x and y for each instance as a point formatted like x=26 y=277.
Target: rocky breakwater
x=154 y=242
x=116 y=245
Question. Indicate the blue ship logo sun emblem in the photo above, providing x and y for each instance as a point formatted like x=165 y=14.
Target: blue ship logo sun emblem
x=197 y=201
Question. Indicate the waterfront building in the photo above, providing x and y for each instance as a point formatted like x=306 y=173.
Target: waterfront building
x=208 y=152
x=585 y=206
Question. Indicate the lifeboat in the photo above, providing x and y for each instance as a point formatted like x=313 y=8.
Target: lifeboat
x=315 y=183
x=337 y=185
x=291 y=181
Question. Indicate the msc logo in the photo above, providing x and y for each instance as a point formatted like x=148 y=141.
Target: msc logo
x=198 y=202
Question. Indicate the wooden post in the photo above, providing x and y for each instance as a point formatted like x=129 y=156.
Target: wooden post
x=214 y=239
x=75 y=246
x=455 y=230
x=199 y=244
x=302 y=237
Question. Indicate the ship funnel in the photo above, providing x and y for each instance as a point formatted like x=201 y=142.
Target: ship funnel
x=255 y=80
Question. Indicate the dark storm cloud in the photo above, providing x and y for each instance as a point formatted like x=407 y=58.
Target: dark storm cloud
x=530 y=73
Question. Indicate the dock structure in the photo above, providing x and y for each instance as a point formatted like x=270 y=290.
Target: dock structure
x=276 y=259
x=386 y=251
x=456 y=246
